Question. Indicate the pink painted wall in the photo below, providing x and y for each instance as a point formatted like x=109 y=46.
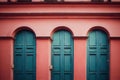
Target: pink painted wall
x=43 y=27
x=79 y=58
x=115 y=0
x=6 y=58
x=115 y=59
x=3 y=0
x=43 y=59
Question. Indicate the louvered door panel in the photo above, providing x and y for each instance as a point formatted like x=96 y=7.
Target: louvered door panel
x=24 y=56
x=62 y=56
x=98 y=56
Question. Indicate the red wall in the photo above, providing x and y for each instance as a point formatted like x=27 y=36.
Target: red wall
x=43 y=59
x=79 y=58
x=78 y=19
x=115 y=59
x=6 y=58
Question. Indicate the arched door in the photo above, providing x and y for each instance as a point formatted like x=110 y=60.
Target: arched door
x=25 y=56
x=98 y=56
x=62 y=56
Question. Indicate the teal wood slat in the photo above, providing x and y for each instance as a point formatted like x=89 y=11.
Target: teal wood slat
x=62 y=56
x=24 y=56
x=98 y=56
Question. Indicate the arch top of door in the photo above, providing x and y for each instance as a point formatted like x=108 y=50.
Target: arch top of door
x=17 y=30
x=61 y=28
x=99 y=28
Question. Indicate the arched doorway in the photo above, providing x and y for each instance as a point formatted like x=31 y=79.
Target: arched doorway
x=62 y=56
x=98 y=55
x=25 y=56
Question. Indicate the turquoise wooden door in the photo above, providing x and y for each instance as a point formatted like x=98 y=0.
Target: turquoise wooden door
x=25 y=56
x=62 y=56
x=98 y=56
